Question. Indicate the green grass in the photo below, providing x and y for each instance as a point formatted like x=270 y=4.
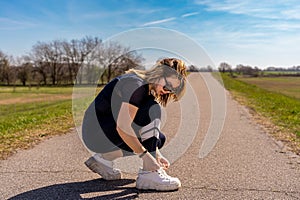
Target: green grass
x=28 y=116
x=282 y=110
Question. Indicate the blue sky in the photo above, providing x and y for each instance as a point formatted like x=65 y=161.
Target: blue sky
x=251 y=32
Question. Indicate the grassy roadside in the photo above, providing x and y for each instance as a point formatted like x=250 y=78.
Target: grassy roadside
x=30 y=123
x=278 y=112
x=28 y=116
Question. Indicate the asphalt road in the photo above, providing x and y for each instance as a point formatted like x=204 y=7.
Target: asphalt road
x=216 y=149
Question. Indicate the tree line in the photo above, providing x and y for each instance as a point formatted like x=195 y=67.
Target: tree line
x=61 y=62
x=88 y=61
x=247 y=70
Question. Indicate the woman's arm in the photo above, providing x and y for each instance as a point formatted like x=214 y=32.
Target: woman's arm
x=124 y=121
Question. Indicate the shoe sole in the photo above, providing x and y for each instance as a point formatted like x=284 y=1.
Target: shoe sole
x=95 y=167
x=157 y=187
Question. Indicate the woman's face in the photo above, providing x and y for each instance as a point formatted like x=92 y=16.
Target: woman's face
x=167 y=85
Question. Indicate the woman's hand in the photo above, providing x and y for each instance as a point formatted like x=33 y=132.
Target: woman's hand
x=150 y=163
x=164 y=163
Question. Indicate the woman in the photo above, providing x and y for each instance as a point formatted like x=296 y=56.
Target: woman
x=124 y=119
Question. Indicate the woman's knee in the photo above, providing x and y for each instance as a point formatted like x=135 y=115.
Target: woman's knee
x=161 y=141
x=152 y=143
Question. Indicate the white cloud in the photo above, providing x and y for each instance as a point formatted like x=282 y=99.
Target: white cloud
x=292 y=13
x=280 y=26
x=159 y=21
x=277 y=9
x=190 y=14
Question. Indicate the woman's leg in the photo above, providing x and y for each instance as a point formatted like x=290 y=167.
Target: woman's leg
x=101 y=137
x=93 y=132
x=147 y=124
x=112 y=155
x=94 y=138
x=151 y=144
x=147 y=127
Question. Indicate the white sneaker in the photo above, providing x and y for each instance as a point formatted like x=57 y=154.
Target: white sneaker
x=103 y=167
x=158 y=180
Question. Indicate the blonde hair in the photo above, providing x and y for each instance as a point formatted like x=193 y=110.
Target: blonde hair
x=166 y=67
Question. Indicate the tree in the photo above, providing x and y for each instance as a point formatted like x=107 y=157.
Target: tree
x=7 y=73
x=71 y=57
x=4 y=65
x=247 y=70
x=25 y=67
x=87 y=55
x=60 y=61
x=54 y=57
x=193 y=68
x=108 y=54
x=115 y=58
x=123 y=63
x=40 y=62
x=224 y=67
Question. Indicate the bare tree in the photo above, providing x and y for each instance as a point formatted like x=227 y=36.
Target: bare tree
x=247 y=70
x=4 y=66
x=48 y=57
x=88 y=51
x=71 y=57
x=60 y=61
x=115 y=59
x=25 y=67
x=40 y=62
x=54 y=57
x=107 y=55
x=225 y=67
x=124 y=63
x=193 y=68
x=7 y=72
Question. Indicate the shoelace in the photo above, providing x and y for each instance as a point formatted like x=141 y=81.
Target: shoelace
x=163 y=174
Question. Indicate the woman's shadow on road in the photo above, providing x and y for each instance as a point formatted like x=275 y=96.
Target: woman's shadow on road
x=92 y=189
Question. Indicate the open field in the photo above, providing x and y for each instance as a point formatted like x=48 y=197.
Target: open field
x=274 y=102
x=27 y=116
x=289 y=86
x=280 y=73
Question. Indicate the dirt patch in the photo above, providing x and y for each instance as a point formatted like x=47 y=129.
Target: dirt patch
x=35 y=98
